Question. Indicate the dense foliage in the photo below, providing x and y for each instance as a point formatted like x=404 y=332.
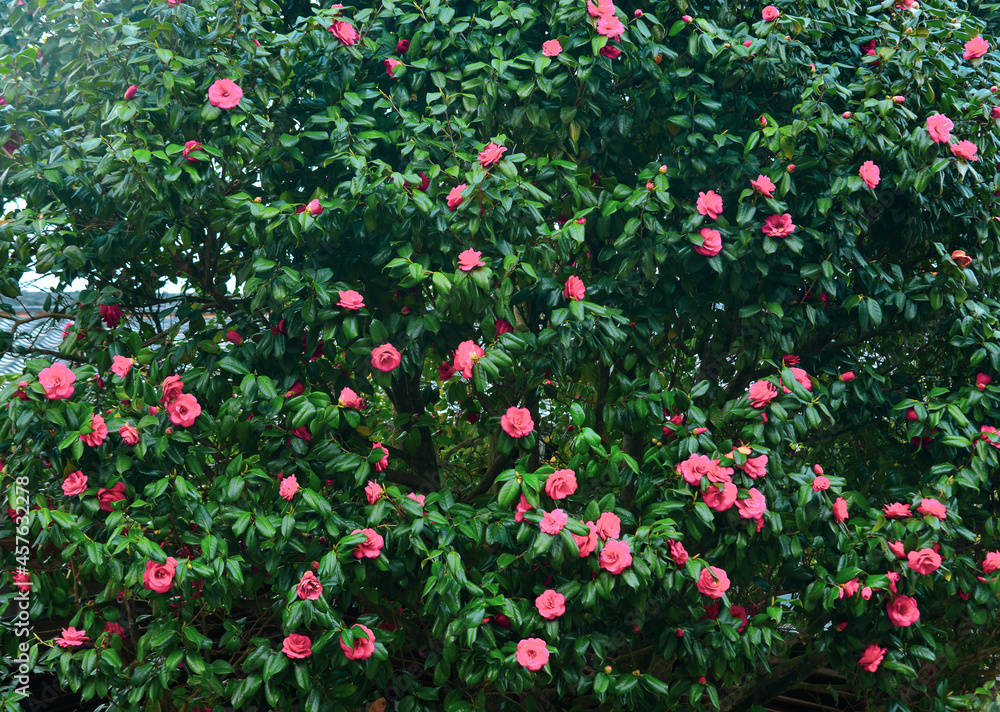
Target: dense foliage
x=503 y=355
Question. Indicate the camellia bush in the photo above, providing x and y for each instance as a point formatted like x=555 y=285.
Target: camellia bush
x=496 y=355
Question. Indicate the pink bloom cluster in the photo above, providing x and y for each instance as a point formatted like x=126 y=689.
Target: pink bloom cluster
x=608 y=23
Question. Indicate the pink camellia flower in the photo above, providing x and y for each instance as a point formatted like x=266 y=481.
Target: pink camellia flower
x=98 y=431
x=849 y=589
x=939 y=127
x=610 y=26
x=345 y=32
x=778 y=226
x=57 y=380
x=761 y=393
x=371 y=547
x=678 y=553
x=711 y=243
x=847 y=376
x=383 y=463
x=469 y=260
x=995 y=112
x=764 y=186
x=74 y=484
x=172 y=387
x=924 y=561
x=986 y=431
x=847 y=114
x=903 y=611
x=129 y=434
x=314 y=207
x=560 y=484
x=309 y=587
x=522 y=507
x=554 y=521
x=491 y=154
x=710 y=204
x=130 y=92
x=532 y=653
x=183 y=410
x=755 y=467
x=965 y=150
x=418 y=498
x=821 y=484
x=713 y=582
x=870 y=174
x=363 y=647
x=754 y=506
x=897 y=510
x=898 y=549
x=992 y=562
x=983 y=380
x=121 y=365
x=390 y=65
x=720 y=499
x=872 y=657
x=159 y=577
x=224 y=93
x=550 y=604
x=233 y=337
x=866 y=593
x=297 y=646
x=931 y=507
x=609 y=526
x=350 y=399
x=517 y=422
x=840 y=510
x=770 y=13
x=466 y=356
x=747 y=43
x=586 y=544
x=455 y=196
x=975 y=48
x=189 y=148
x=373 y=491
x=349 y=299
x=289 y=486
x=899 y=99
x=893 y=580
x=385 y=358
x=574 y=289
x=551 y=48
x=615 y=556
x=695 y=467
x=107 y=497
x=71 y=637
x=800 y=376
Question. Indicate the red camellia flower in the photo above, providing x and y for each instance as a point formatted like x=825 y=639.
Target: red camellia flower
x=517 y=422
x=872 y=657
x=924 y=561
x=778 y=226
x=550 y=604
x=345 y=32
x=189 y=148
x=503 y=327
x=532 y=653
x=98 y=431
x=57 y=380
x=491 y=154
x=385 y=358
x=574 y=289
x=309 y=587
x=297 y=646
x=897 y=510
x=370 y=548
x=615 y=556
x=159 y=577
x=111 y=314
x=560 y=484
x=402 y=46
x=390 y=65
x=903 y=611
x=183 y=410
x=363 y=646
x=224 y=93
x=983 y=380
x=71 y=637
x=446 y=370
x=114 y=628
x=129 y=434
x=709 y=204
x=107 y=497
x=522 y=507
x=713 y=582
x=847 y=376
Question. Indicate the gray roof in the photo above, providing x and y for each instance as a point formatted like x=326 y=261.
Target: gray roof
x=41 y=334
